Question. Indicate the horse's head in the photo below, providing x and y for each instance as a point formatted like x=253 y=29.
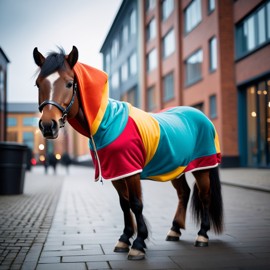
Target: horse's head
x=57 y=90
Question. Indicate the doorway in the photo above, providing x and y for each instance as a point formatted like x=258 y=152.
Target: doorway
x=258 y=124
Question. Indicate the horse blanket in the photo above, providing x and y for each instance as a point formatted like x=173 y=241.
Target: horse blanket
x=126 y=140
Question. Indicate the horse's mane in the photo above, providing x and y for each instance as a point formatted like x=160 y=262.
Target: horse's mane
x=53 y=62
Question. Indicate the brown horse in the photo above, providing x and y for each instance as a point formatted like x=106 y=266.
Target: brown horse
x=62 y=98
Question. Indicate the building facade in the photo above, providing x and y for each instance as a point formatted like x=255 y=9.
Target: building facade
x=209 y=54
x=3 y=94
x=252 y=76
x=121 y=51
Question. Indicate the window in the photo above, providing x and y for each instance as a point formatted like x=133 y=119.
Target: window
x=115 y=48
x=124 y=35
x=151 y=30
x=150 y=4
x=124 y=72
x=213 y=106
x=261 y=26
x=194 y=67
x=168 y=87
x=253 y=31
x=133 y=28
x=115 y=80
x=108 y=63
x=167 y=7
x=133 y=64
x=131 y=96
x=30 y=121
x=199 y=106
x=168 y=43
x=151 y=104
x=12 y=122
x=193 y=15
x=151 y=60
x=211 y=6
x=28 y=139
x=2 y=79
x=213 y=54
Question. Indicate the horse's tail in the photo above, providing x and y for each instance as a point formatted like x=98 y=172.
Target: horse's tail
x=216 y=203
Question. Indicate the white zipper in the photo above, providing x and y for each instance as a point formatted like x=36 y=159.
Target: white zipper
x=100 y=178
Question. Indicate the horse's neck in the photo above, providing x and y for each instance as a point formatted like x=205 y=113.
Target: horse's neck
x=81 y=120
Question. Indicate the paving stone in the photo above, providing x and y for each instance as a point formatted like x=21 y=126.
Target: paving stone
x=62 y=266
x=50 y=260
x=98 y=265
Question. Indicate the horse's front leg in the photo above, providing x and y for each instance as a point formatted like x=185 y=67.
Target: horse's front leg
x=183 y=192
x=123 y=242
x=137 y=251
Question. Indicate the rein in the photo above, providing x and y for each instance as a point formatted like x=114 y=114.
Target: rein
x=64 y=111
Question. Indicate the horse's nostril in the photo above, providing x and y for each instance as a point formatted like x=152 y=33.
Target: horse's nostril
x=40 y=125
x=54 y=124
x=49 y=129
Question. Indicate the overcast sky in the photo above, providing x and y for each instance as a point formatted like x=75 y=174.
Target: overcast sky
x=25 y=24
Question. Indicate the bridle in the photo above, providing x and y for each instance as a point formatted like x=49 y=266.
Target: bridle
x=64 y=111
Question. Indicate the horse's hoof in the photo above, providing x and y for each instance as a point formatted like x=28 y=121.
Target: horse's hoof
x=201 y=241
x=173 y=236
x=121 y=247
x=136 y=255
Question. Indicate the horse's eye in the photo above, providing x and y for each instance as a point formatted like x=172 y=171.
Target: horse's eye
x=69 y=84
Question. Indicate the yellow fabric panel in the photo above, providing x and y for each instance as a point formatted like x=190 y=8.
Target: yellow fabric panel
x=149 y=130
x=102 y=109
x=217 y=143
x=169 y=176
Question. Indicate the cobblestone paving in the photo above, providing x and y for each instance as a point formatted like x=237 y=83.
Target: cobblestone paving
x=26 y=220
x=77 y=228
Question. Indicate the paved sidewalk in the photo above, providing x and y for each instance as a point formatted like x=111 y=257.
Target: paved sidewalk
x=70 y=222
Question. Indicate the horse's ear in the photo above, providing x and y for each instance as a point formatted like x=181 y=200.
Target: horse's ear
x=72 y=58
x=38 y=57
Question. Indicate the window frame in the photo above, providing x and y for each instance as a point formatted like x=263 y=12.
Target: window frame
x=171 y=51
x=247 y=43
x=167 y=80
x=195 y=79
x=190 y=13
x=151 y=56
x=213 y=68
x=213 y=106
x=167 y=7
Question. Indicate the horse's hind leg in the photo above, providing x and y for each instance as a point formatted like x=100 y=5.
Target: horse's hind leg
x=203 y=203
x=183 y=192
x=123 y=242
x=135 y=198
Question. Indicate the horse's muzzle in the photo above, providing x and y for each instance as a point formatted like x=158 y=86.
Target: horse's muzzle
x=49 y=129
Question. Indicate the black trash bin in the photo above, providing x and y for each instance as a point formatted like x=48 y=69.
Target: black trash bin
x=13 y=161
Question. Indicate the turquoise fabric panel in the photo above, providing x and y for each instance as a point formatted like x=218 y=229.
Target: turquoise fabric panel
x=112 y=125
x=185 y=134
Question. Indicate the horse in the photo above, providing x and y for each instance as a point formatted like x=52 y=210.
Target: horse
x=128 y=145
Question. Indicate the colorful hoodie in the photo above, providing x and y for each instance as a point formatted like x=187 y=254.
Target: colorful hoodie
x=126 y=140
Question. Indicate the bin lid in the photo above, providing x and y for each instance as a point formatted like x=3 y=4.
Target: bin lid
x=13 y=145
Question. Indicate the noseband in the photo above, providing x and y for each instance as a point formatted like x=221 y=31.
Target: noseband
x=64 y=111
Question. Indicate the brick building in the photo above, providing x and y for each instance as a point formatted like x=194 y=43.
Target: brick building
x=210 y=54
x=3 y=94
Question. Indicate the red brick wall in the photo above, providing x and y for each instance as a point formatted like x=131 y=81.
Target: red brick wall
x=227 y=79
x=252 y=66
x=243 y=7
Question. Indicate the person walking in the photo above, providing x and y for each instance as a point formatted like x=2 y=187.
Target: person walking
x=66 y=161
